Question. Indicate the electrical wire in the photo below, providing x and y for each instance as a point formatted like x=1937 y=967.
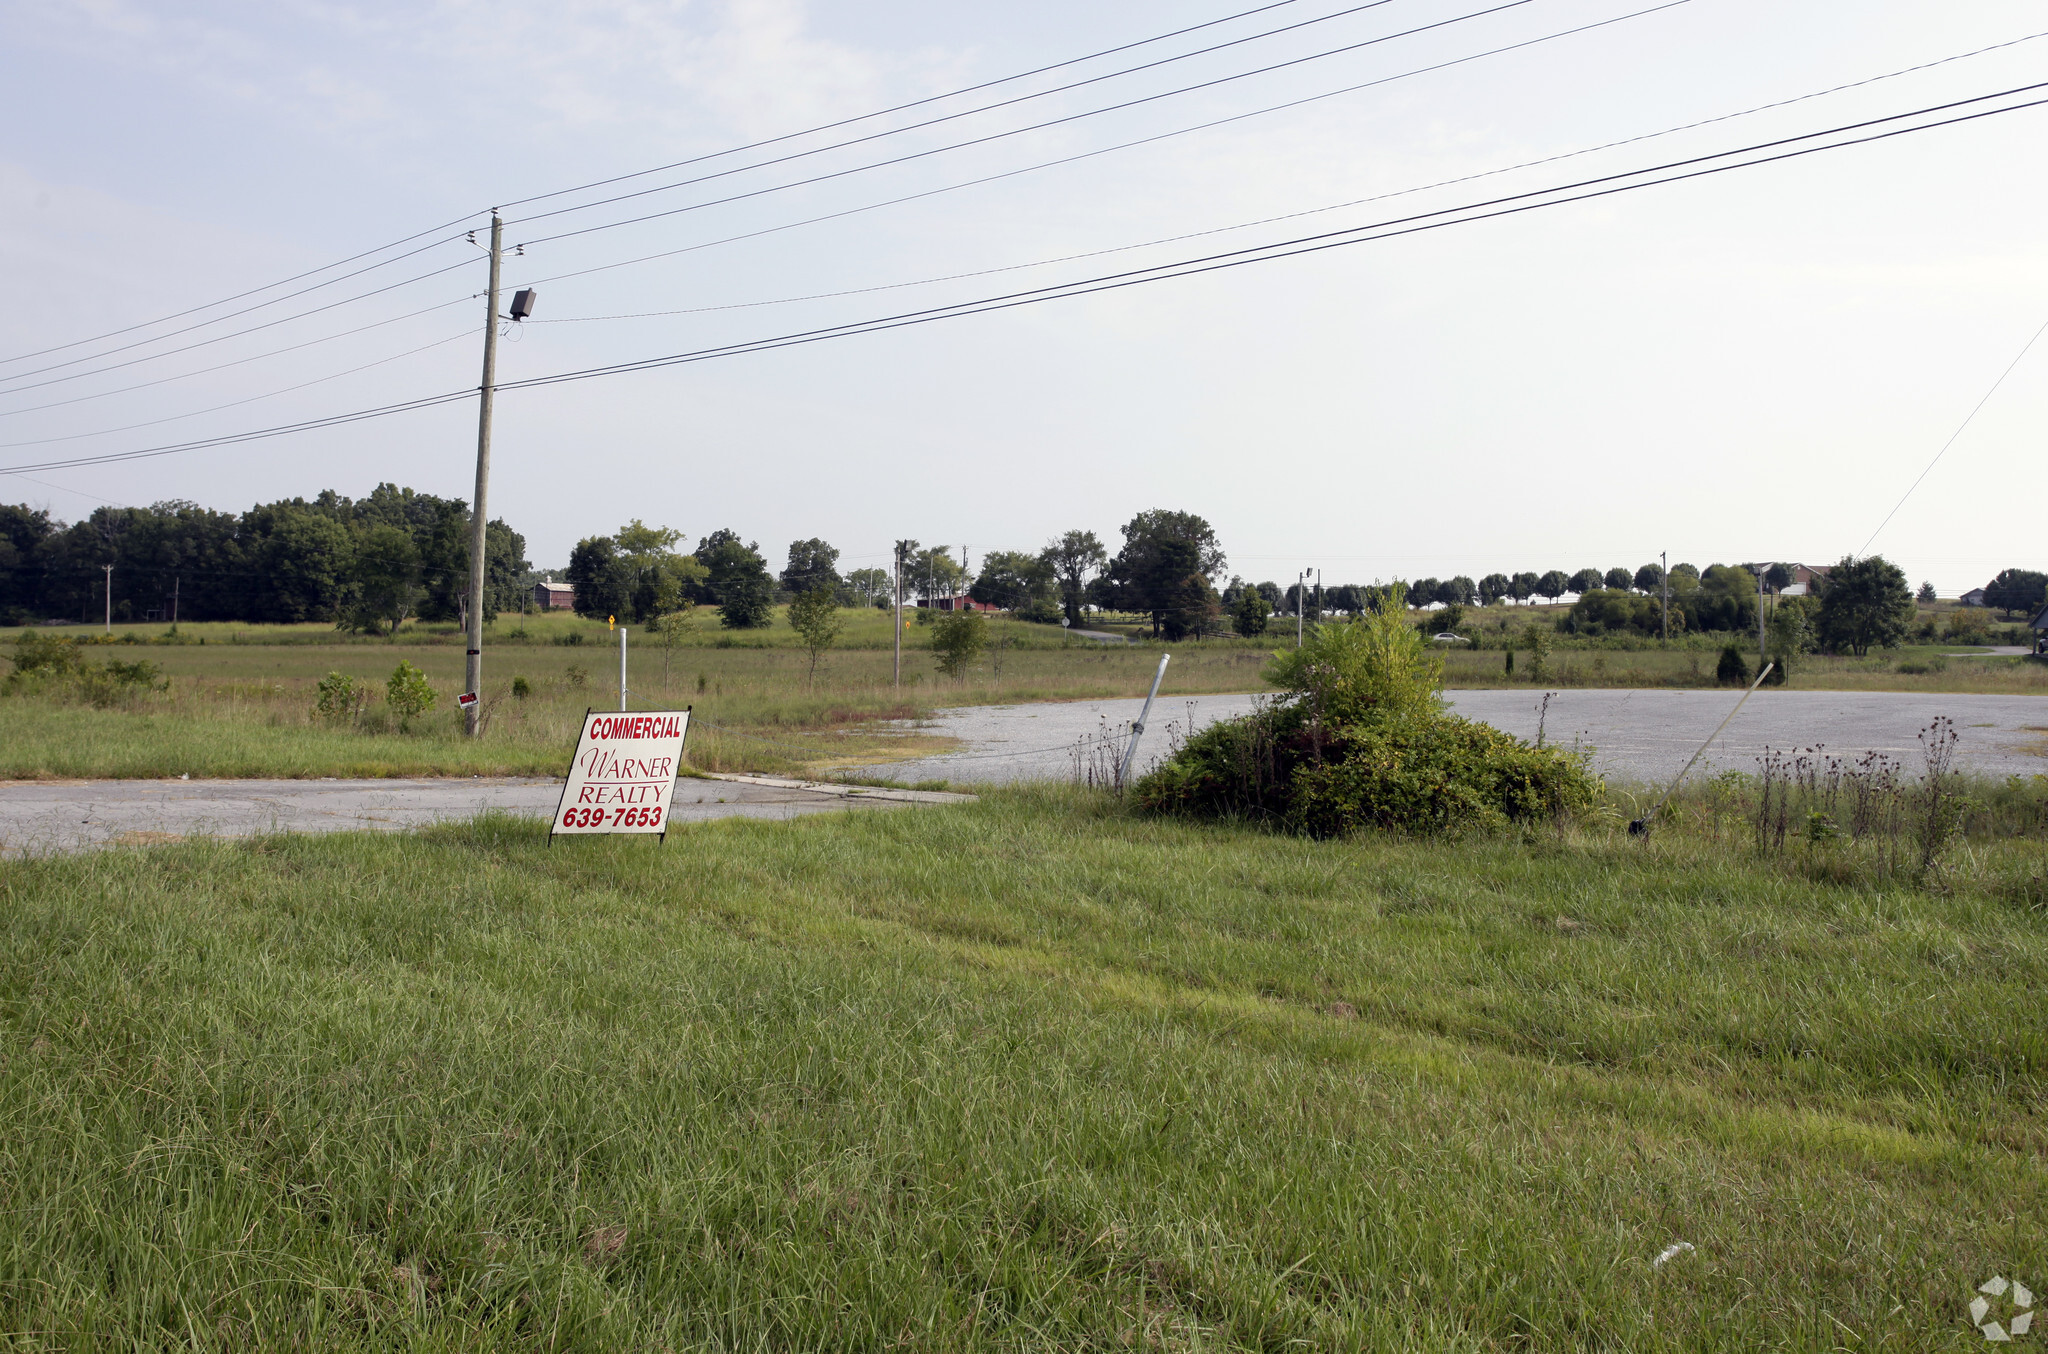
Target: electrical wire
x=1692 y=167
x=17 y=377
x=1106 y=150
x=252 y=399
x=898 y=108
x=237 y=362
x=229 y=300
x=991 y=107
x=1967 y=420
x=1290 y=216
x=658 y=169
x=241 y=333
x=1020 y=131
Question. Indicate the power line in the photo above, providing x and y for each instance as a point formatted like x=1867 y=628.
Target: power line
x=1967 y=420
x=991 y=107
x=1312 y=211
x=754 y=234
x=1106 y=150
x=1514 y=204
x=229 y=300
x=1020 y=131
x=252 y=399
x=898 y=108
x=733 y=150
x=223 y=366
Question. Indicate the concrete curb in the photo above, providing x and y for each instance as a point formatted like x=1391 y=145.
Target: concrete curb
x=846 y=791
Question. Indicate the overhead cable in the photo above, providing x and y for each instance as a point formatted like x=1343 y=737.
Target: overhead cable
x=1692 y=167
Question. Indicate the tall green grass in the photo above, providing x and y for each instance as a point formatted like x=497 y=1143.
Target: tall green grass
x=1028 y=1074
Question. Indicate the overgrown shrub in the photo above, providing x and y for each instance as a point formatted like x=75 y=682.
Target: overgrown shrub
x=56 y=665
x=407 y=693
x=1731 y=670
x=1362 y=740
x=341 y=698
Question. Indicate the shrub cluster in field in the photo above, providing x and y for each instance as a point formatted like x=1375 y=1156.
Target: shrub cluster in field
x=343 y=699
x=1361 y=740
x=57 y=665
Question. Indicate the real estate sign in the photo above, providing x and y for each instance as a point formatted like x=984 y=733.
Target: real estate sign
x=623 y=773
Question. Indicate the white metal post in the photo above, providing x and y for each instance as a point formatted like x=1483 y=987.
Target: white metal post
x=622 y=667
x=1131 y=748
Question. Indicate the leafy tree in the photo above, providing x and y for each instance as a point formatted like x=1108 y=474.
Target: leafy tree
x=1553 y=585
x=1621 y=580
x=814 y=615
x=1679 y=571
x=812 y=565
x=1650 y=578
x=407 y=691
x=1611 y=611
x=1864 y=604
x=602 y=580
x=871 y=586
x=1460 y=590
x=1020 y=583
x=386 y=577
x=22 y=532
x=1164 y=570
x=1522 y=586
x=2016 y=590
x=297 y=564
x=1448 y=620
x=1926 y=593
x=1493 y=587
x=1778 y=578
x=1584 y=581
x=958 y=638
x=1249 y=616
x=1075 y=557
x=1423 y=591
x=736 y=581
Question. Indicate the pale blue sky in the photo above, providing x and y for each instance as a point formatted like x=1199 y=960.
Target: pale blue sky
x=1753 y=365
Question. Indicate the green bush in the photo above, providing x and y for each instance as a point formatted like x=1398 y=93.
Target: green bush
x=341 y=697
x=1362 y=740
x=55 y=665
x=407 y=693
x=1731 y=670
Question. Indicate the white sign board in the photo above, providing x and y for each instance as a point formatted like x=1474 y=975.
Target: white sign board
x=623 y=773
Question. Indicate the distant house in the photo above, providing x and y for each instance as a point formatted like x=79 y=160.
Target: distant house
x=553 y=596
x=1804 y=576
x=959 y=603
x=1974 y=597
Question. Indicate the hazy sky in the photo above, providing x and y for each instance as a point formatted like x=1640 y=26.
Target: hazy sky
x=1751 y=365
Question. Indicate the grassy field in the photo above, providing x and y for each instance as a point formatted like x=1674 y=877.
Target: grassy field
x=240 y=699
x=1027 y=1074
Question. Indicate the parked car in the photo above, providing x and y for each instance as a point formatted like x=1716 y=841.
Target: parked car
x=1446 y=637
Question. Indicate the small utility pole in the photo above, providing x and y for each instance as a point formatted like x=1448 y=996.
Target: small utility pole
x=622 y=668
x=473 y=663
x=110 y=597
x=1319 y=597
x=1665 y=556
x=898 y=627
x=176 y=580
x=1760 y=616
x=1300 y=603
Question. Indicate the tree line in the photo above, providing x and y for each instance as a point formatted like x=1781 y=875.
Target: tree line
x=367 y=564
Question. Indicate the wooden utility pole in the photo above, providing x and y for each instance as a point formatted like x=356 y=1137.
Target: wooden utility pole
x=110 y=597
x=1665 y=557
x=473 y=663
x=898 y=627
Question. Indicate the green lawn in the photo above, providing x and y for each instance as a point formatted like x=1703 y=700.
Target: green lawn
x=1028 y=1074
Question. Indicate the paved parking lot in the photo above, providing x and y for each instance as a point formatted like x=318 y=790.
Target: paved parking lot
x=1635 y=735
x=46 y=816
